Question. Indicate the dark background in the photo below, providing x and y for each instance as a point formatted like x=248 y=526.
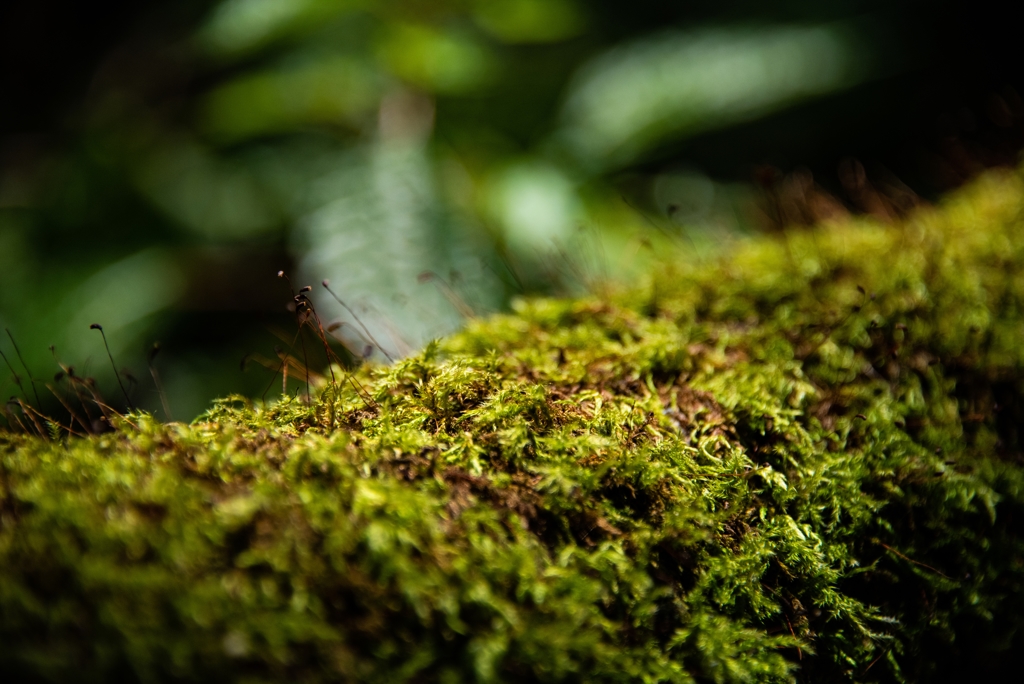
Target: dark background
x=93 y=96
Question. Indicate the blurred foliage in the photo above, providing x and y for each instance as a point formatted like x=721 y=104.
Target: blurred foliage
x=429 y=158
x=801 y=461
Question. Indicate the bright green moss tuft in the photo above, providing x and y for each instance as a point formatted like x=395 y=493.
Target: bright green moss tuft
x=801 y=463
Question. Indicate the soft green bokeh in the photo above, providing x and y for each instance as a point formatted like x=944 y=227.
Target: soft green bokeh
x=431 y=159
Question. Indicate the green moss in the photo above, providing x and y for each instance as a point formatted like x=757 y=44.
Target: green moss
x=802 y=462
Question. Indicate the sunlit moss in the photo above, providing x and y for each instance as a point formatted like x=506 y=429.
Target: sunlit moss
x=802 y=462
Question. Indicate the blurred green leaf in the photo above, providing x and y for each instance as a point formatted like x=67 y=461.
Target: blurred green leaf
x=530 y=21
x=208 y=195
x=642 y=94
x=239 y=27
x=439 y=61
x=338 y=92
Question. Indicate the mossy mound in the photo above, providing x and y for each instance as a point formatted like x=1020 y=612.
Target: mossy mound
x=803 y=462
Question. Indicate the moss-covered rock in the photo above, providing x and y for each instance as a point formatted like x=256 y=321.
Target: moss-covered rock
x=802 y=462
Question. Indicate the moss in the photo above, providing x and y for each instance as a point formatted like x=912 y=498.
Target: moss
x=802 y=462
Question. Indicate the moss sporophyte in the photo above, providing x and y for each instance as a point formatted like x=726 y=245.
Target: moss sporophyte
x=800 y=463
